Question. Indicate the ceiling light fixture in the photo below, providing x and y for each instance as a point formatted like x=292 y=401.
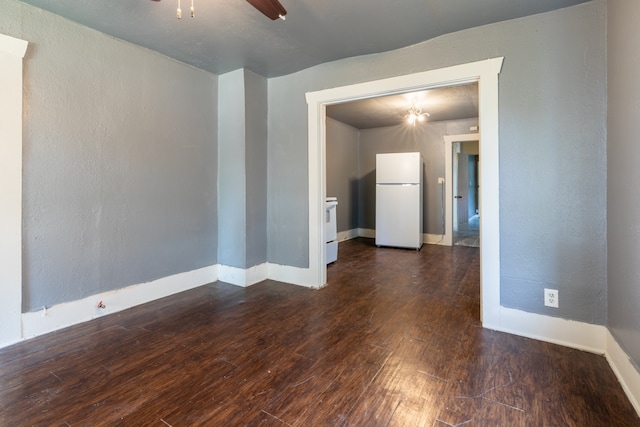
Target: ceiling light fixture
x=270 y=8
x=179 y=11
x=416 y=115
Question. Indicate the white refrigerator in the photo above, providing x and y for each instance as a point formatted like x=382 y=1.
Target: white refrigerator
x=399 y=200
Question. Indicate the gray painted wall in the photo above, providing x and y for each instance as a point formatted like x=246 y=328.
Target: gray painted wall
x=242 y=168
x=120 y=177
x=623 y=156
x=552 y=151
x=256 y=100
x=553 y=167
x=119 y=161
x=232 y=232
x=343 y=177
x=426 y=138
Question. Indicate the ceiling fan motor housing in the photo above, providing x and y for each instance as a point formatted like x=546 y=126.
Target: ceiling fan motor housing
x=271 y=8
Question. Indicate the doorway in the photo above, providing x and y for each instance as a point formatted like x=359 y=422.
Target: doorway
x=452 y=148
x=466 y=209
x=486 y=74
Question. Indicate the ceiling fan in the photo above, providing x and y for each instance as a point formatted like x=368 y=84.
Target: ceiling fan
x=270 y=8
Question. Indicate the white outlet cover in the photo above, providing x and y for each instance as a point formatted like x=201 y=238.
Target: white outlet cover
x=551 y=298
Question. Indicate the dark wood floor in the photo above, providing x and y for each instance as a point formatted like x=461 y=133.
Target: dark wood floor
x=394 y=339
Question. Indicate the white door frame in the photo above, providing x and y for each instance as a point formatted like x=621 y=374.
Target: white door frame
x=12 y=51
x=486 y=74
x=455 y=183
x=449 y=140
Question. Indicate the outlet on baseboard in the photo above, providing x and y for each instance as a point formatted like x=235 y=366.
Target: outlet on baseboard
x=551 y=297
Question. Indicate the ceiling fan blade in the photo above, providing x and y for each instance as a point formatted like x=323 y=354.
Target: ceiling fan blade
x=271 y=8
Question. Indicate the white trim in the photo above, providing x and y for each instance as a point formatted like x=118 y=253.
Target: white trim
x=71 y=313
x=433 y=239
x=486 y=74
x=75 y=312
x=241 y=276
x=367 y=232
x=568 y=333
x=294 y=275
x=12 y=51
x=448 y=181
x=624 y=369
x=582 y=336
x=430 y=239
x=13 y=46
x=347 y=235
x=316 y=162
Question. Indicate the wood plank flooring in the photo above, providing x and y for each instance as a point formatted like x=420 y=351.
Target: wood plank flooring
x=393 y=340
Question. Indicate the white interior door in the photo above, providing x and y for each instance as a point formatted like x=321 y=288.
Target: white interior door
x=454 y=166
x=462 y=193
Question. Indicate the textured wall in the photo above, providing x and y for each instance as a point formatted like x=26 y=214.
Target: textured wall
x=242 y=178
x=256 y=168
x=232 y=203
x=343 y=178
x=623 y=174
x=553 y=165
x=552 y=150
x=119 y=161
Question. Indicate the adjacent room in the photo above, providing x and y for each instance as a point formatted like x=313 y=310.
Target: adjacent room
x=358 y=130
x=164 y=173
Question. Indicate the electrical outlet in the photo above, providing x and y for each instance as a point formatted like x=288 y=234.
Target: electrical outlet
x=440 y=180
x=551 y=297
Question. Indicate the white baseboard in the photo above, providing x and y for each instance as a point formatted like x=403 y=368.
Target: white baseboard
x=583 y=336
x=294 y=275
x=367 y=232
x=433 y=239
x=75 y=312
x=624 y=369
x=251 y=276
x=430 y=239
x=71 y=313
x=347 y=235
x=568 y=333
x=241 y=276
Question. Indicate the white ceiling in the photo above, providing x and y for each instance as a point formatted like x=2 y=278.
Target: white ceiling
x=229 y=34
x=451 y=103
